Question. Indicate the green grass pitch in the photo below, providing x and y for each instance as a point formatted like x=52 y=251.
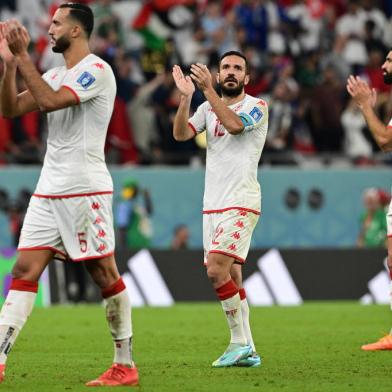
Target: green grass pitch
x=315 y=347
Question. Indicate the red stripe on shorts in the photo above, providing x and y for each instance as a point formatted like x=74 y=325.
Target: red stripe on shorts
x=232 y=208
x=93 y=257
x=72 y=195
x=42 y=248
x=240 y=259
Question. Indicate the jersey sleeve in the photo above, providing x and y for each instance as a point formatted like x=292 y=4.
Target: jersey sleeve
x=45 y=76
x=198 y=121
x=49 y=74
x=88 y=82
x=254 y=115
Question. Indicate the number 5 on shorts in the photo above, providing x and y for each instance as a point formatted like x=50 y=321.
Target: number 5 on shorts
x=82 y=242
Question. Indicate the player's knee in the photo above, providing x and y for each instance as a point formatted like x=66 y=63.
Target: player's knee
x=214 y=274
x=22 y=271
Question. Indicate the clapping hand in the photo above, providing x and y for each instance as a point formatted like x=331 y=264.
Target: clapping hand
x=201 y=76
x=361 y=92
x=17 y=37
x=5 y=53
x=183 y=83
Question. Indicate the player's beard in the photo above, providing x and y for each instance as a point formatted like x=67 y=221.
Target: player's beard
x=388 y=78
x=232 y=91
x=61 y=45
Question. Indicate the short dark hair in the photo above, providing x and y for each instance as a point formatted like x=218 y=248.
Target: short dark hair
x=81 y=13
x=235 y=53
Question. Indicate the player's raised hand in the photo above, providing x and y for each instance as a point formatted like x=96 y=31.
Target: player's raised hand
x=361 y=92
x=5 y=52
x=183 y=83
x=17 y=37
x=202 y=76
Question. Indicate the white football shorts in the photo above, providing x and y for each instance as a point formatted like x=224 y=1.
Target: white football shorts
x=389 y=220
x=78 y=228
x=228 y=233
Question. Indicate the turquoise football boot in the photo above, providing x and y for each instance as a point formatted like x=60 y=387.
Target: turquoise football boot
x=252 y=360
x=234 y=353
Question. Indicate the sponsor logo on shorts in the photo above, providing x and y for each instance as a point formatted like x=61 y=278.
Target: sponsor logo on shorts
x=239 y=224
x=101 y=248
x=236 y=235
x=232 y=247
x=98 y=220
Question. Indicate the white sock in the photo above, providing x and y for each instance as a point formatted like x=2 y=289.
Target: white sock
x=232 y=308
x=390 y=295
x=14 y=313
x=245 y=319
x=118 y=315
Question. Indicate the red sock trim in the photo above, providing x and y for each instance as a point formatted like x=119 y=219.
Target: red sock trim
x=24 y=285
x=228 y=290
x=242 y=293
x=113 y=289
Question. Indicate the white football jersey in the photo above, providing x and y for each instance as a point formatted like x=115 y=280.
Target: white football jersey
x=232 y=160
x=74 y=163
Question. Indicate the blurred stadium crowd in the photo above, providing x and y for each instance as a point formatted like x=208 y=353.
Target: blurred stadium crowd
x=300 y=52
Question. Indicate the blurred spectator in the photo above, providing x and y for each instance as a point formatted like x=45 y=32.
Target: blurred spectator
x=373 y=73
x=279 y=119
x=15 y=209
x=180 y=237
x=350 y=29
x=373 y=229
x=326 y=109
x=252 y=16
x=132 y=216
x=108 y=28
x=335 y=60
x=356 y=145
x=301 y=135
x=377 y=18
x=142 y=115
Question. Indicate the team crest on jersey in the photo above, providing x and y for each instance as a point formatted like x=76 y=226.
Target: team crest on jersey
x=256 y=113
x=86 y=80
